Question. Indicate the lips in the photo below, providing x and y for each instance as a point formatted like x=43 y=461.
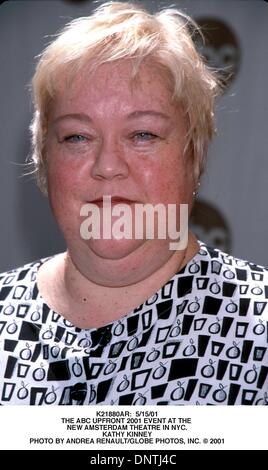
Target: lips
x=113 y=200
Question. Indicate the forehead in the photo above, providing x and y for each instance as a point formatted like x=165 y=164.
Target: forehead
x=112 y=84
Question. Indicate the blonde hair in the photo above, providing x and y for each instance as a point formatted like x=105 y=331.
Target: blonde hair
x=116 y=31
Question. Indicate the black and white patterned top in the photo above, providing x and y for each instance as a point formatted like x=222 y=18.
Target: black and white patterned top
x=200 y=340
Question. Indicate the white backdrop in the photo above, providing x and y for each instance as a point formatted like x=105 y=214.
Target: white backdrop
x=237 y=174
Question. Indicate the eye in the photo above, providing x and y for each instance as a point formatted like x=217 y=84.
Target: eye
x=75 y=138
x=144 y=136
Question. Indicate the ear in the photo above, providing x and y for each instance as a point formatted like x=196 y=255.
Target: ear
x=194 y=168
x=196 y=172
x=199 y=165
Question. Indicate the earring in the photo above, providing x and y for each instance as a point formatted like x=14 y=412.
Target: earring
x=195 y=193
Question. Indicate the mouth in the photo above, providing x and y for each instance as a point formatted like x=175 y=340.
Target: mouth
x=107 y=199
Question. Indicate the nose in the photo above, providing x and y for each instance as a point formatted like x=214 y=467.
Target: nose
x=110 y=162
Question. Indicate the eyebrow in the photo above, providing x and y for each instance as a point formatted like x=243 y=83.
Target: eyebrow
x=77 y=116
x=148 y=112
x=132 y=115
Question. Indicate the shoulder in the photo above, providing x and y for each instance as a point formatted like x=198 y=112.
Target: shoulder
x=14 y=282
x=230 y=268
x=229 y=284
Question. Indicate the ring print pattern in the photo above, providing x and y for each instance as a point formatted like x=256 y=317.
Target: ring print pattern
x=201 y=339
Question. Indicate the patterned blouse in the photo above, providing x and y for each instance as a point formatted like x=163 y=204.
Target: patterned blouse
x=200 y=340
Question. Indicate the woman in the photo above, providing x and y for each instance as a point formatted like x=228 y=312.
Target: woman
x=123 y=117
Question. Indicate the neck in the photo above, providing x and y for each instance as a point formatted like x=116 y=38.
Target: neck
x=88 y=304
x=79 y=285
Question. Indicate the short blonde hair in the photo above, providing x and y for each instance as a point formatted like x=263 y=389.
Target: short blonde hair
x=117 y=31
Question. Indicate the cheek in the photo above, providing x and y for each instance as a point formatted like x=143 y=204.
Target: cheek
x=64 y=192
x=65 y=176
x=166 y=181
x=63 y=200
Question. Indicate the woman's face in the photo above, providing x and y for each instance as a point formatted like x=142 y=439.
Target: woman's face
x=108 y=135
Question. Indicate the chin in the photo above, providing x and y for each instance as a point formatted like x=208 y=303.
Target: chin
x=114 y=249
